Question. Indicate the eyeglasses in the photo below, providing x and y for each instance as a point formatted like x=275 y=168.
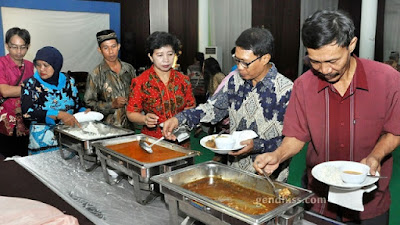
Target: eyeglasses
x=16 y=47
x=242 y=63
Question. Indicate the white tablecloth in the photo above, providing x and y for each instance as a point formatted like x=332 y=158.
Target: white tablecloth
x=90 y=194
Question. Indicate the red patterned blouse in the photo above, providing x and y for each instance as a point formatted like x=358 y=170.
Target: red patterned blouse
x=150 y=95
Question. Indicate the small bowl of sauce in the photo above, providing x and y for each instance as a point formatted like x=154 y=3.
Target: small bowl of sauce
x=354 y=173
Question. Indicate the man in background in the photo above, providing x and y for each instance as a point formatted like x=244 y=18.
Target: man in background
x=108 y=86
x=13 y=70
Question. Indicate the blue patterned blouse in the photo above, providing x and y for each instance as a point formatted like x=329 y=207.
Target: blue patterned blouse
x=39 y=101
x=260 y=108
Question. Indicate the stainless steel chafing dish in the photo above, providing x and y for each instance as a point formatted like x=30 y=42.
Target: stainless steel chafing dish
x=144 y=189
x=70 y=139
x=209 y=211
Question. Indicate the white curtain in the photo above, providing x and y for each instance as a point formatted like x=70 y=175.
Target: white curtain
x=228 y=18
x=308 y=7
x=158 y=15
x=392 y=28
x=72 y=33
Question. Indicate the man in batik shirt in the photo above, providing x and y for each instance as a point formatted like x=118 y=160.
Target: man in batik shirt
x=108 y=86
x=255 y=98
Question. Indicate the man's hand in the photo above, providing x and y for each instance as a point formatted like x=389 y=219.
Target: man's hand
x=249 y=146
x=169 y=126
x=373 y=163
x=385 y=145
x=119 y=102
x=267 y=162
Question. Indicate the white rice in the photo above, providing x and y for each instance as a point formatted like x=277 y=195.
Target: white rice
x=94 y=131
x=331 y=175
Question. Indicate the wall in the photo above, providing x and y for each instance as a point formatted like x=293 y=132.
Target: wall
x=282 y=18
x=135 y=28
x=48 y=18
x=183 y=22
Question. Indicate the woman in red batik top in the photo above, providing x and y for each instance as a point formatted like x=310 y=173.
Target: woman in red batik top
x=159 y=92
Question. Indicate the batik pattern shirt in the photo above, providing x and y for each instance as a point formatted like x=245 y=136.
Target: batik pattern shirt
x=150 y=95
x=39 y=101
x=103 y=85
x=10 y=110
x=259 y=108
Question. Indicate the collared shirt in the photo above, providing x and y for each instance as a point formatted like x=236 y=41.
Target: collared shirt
x=375 y=89
x=150 y=95
x=103 y=85
x=259 y=108
x=10 y=110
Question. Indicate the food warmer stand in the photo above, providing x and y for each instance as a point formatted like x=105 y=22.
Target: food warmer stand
x=145 y=190
x=72 y=140
x=208 y=211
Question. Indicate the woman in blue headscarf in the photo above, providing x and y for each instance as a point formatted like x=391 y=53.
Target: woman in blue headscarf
x=48 y=98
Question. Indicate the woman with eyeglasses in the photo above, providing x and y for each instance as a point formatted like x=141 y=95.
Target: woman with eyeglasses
x=48 y=98
x=13 y=70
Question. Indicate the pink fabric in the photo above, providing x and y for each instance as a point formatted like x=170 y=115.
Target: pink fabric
x=377 y=110
x=9 y=74
x=225 y=80
x=19 y=211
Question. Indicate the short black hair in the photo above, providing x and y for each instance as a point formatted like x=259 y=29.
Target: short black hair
x=258 y=40
x=233 y=50
x=106 y=35
x=22 y=33
x=325 y=27
x=160 y=39
x=211 y=67
x=199 y=56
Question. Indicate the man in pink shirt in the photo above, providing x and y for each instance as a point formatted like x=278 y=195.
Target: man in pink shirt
x=13 y=71
x=348 y=108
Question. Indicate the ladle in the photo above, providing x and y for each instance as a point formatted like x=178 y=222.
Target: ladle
x=276 y=191
x=147 y=147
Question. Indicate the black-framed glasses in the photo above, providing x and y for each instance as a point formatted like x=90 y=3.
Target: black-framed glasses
x=17 y=47
x=243 y=63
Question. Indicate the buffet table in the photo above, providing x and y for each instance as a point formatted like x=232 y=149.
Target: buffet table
x=91 y=198
x=65 y=185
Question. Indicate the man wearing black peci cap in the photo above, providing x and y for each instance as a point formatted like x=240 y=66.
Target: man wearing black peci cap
x=107 y=87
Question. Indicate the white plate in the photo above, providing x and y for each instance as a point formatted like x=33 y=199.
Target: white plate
x=90 y=116
x=217 y=150
x=237 y=135
x=319 y=170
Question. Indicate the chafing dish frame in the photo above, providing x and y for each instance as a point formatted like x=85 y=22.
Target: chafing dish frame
x=144 y=189
x=83 y=146
x=213 y=212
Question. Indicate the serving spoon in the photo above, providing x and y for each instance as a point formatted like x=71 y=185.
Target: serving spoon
x=147 y=147
x=276 y=191
x=370 y=175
